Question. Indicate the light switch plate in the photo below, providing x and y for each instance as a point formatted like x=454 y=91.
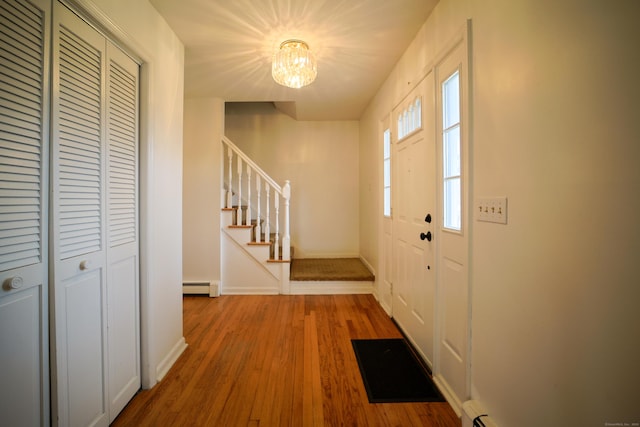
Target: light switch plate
x=491 y=209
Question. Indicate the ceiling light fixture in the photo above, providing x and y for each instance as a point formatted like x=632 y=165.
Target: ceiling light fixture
x=294 y=64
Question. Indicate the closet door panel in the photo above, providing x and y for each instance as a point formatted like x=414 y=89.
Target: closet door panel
x=124 y=335
x=84 y=347
x=79 y=255
x=122 y=230
x=23 y=396
x=24 y=88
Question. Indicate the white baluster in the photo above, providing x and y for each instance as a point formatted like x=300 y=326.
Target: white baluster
x=249 y=215
x=411 y=124
x=286 y=240
x=276 y=205
x=258 y=191
x=405 y=121
x=230 y=184
x=267 y=221
x=239 y=211
x=244 y=215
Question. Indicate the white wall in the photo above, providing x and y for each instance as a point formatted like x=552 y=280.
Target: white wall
x=202 y=184
x=146 y=34
x=556 y=337
x=321 y=161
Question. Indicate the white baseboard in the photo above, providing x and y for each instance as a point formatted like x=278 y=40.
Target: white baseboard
x=448 y=394
x=310 y=287
x=385 y=307
x=366 y=263
x=240 y=290
x=170 y=359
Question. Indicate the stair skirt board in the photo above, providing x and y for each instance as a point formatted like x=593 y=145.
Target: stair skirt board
x=309 y=287
x=242 y=273
x=201 y=288
x=259 y=254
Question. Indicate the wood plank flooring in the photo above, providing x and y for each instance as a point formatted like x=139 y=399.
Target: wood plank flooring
x=276 y=360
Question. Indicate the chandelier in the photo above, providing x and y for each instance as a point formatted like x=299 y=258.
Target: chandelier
x=294 y=64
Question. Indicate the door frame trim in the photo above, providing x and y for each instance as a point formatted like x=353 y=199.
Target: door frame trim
x=461 y=38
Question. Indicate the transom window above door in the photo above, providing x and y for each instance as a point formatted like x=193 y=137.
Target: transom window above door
x=410 y=118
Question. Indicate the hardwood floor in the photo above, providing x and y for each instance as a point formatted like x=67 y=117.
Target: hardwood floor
x=276 y=361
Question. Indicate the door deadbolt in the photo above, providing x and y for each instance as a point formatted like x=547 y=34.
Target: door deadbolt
x=426 y=236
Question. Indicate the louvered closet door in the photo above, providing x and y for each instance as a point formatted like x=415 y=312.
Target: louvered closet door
x=95 y=224
x=122 y=230
x=79 y=222
x=24 y=384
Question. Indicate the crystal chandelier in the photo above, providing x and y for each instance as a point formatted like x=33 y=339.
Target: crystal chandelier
x=294 y=64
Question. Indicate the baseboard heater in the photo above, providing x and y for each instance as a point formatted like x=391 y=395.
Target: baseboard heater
x=201 y=288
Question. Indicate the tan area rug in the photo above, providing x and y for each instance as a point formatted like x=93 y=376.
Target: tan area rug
x=330 y=269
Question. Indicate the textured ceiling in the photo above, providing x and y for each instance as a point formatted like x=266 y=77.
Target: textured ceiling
x=229 y=45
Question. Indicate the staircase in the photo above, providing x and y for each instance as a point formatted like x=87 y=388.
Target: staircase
x=255 y=247
x=255 y=243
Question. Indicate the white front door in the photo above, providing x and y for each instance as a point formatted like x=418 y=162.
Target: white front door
x=451 y=371
x=413 y=217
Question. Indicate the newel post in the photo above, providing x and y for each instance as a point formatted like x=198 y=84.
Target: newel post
x=258 y=221
x=229 y=185
x=286 y=239
x=239 y=211
x=249 y=216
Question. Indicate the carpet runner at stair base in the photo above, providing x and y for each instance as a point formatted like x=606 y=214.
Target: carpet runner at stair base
x=330 y=269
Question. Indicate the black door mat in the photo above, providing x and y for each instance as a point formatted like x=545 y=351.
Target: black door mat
x=392 y=373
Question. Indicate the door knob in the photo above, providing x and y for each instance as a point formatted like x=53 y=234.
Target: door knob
x=426 y=236
x=15 y=282
x=427 y=218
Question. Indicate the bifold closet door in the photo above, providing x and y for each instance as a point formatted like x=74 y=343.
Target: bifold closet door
x=122 y=230
x=79 y=254
x=95 y=237
x=24 y=138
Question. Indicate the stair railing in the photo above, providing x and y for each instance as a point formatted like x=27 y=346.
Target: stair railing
x=245 y=168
